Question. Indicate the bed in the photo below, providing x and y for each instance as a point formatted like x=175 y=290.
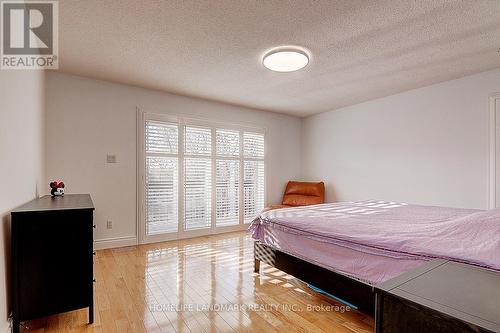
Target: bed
x=348 y=248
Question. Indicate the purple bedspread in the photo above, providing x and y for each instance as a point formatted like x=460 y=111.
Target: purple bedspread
x=394 y=229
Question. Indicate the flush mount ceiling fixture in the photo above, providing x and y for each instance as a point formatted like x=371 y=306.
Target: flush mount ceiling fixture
x=285 y=59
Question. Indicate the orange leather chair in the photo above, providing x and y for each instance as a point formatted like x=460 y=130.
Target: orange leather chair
x=301 y=194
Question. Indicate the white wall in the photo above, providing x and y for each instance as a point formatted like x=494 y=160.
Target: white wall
x=21 y=157
x=426 y=146
x=88 y=119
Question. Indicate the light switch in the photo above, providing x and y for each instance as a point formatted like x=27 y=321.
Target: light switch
x=110 y=158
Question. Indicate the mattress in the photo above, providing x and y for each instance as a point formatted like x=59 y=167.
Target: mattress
x=374 y=241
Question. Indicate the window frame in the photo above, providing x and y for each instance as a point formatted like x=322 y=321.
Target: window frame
x=182 y=121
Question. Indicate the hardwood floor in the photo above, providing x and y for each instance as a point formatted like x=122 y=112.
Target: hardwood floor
x=205 y=284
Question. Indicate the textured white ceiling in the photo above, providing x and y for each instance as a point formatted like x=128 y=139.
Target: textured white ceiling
x=212 y=49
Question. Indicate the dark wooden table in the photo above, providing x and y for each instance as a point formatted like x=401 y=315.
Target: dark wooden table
x=440 y=296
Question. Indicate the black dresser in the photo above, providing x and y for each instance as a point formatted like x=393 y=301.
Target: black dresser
x=52 y=257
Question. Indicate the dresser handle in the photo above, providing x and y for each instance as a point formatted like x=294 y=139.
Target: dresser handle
x=93 y=253
x=94 y=226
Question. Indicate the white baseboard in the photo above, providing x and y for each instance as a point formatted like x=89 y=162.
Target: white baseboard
x=110 y=243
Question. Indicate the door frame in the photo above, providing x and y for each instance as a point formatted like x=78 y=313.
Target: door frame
x=494 y=134
x=181 y=120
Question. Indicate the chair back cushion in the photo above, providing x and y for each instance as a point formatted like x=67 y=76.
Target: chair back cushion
x=304 y=193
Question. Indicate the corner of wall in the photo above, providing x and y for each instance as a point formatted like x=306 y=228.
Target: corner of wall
x=22 y=168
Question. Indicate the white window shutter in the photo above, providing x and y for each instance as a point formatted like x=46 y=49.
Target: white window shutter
x=253 y=145
x=253 y=175
x=197 y=178
x=227 y=142
x=198 y=141
x=161 y=177
x=227 y=192
x=162 y=137
x=253 y=189
x=226 y=163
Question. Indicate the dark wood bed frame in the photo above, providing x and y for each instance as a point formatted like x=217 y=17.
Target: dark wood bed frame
x=342 y=286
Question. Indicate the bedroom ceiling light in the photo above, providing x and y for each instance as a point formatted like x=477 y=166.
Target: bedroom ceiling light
x=285 y=60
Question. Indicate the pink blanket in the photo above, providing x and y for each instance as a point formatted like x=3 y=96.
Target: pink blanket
x=395 y=229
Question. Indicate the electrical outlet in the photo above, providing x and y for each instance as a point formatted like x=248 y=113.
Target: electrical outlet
x=109 y=224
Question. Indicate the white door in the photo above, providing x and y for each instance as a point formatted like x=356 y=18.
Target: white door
x=197 y=177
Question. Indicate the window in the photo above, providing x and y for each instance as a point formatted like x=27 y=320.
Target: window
x=228 y=177
x=216 y=172
x=197 y=177
x=254 y=177
x=161 y=177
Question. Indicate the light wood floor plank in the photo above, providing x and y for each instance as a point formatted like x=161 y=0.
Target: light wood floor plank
x=200 y=285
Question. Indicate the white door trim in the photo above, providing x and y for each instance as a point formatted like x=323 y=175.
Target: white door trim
x=494 y=116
